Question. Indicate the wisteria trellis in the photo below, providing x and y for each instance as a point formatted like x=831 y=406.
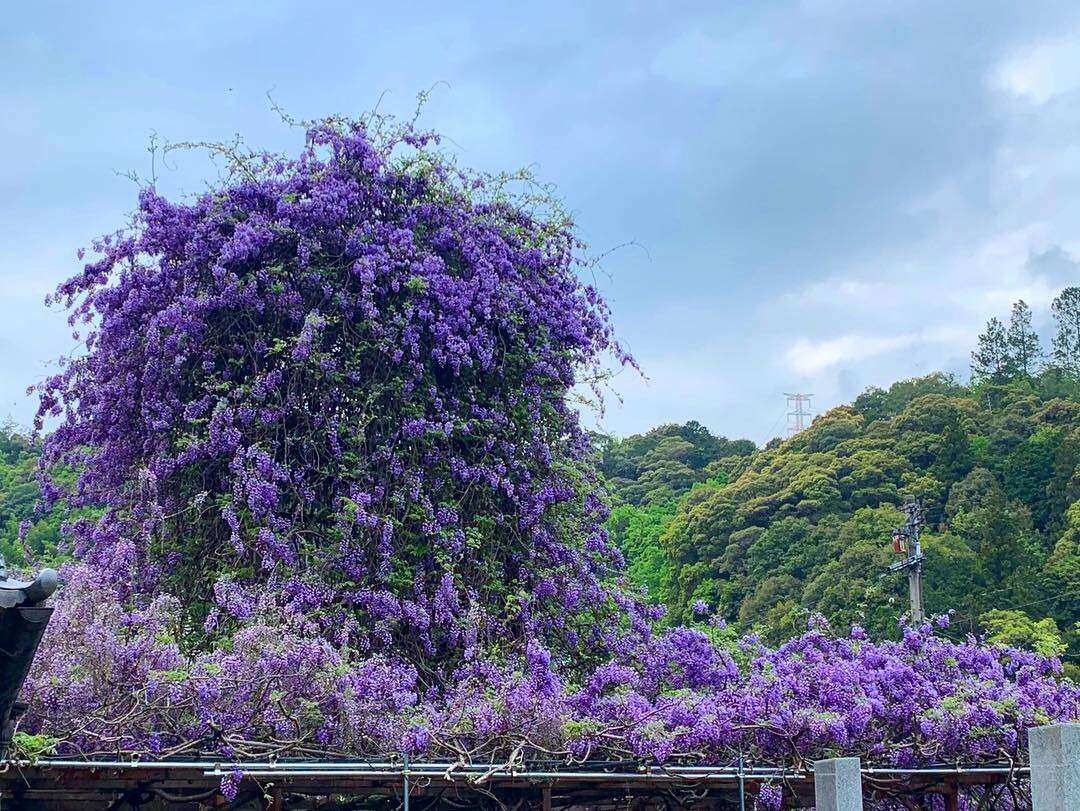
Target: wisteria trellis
x=345 y=506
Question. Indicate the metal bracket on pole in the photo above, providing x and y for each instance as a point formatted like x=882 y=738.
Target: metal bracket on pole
x=906 y=540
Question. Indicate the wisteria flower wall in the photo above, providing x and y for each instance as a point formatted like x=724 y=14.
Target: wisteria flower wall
x=342 y=504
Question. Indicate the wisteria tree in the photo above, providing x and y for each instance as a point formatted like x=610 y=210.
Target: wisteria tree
x=337 y=387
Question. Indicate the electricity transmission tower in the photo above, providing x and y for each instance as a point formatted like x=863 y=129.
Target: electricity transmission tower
x=906 y=542
x=797 y=412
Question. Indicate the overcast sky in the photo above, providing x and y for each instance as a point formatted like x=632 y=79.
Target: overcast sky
x=820 y=195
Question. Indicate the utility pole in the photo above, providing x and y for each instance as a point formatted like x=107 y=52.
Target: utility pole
x=906 y=542
x=797 y=412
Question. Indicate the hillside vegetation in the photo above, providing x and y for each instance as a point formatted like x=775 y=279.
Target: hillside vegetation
x=19 y=494
x=763 y=537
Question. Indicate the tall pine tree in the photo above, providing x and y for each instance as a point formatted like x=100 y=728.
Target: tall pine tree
x=991 y=361
x=1023 y=342
x=1066 y=345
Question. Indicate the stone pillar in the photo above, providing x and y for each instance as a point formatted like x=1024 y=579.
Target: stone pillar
x=838 y=784
x=1055 y=767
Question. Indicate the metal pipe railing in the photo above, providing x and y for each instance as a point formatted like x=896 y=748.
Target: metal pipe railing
x=393 y=768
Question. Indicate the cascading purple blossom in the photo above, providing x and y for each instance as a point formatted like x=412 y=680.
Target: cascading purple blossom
x=339 y=385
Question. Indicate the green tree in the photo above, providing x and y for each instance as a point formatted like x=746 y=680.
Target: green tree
x=954 y=576
x=849 y=587
x=1001 y=532
x=1023 y=342
x=1018 y=630
x=663 y=464
x=1027 y=472
x=637 y=530
x=992 y=361
x=1062 y=572
x=878 y=404
x=1066 y=343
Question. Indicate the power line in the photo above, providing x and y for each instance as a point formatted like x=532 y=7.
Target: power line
x=1045 y=600
x=1038 y=582
x=971 y=619
x=776 y=422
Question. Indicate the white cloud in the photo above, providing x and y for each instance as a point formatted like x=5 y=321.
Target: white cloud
x=1043 y=71
x=1037 y=293
x=808 y=357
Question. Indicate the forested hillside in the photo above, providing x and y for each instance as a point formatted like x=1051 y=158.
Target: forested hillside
x=763 y=537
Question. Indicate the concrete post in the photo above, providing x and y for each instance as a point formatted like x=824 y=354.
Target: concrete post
x=838 y=784
x=1055 y=767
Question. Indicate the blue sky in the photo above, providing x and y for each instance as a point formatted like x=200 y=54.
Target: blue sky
x=820 y=195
